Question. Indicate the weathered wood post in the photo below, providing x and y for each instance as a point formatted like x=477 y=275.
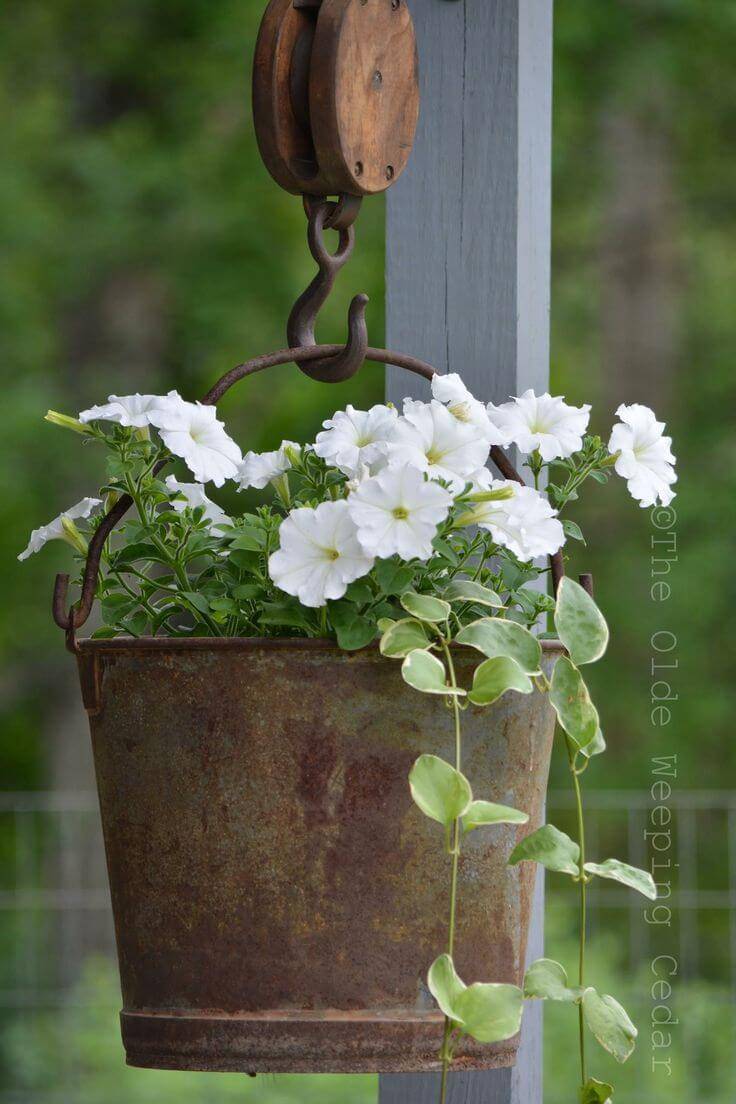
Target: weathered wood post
x=467 y=283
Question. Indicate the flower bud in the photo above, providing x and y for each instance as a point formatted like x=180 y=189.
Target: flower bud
x=73 y=536
x=65 y=421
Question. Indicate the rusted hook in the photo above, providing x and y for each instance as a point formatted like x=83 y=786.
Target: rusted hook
x=303 y=317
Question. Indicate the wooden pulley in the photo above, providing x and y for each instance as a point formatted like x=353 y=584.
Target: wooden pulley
x=335 y=94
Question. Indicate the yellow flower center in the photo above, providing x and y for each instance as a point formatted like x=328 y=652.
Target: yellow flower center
x=401 y=513
x=332 y=553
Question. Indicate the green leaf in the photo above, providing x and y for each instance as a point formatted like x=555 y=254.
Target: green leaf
x=571 y=701
x=446 y=551
x=640 y=880
x=550 y=847
x=197 y=600
x=105 y=633
x=580 y=624
x=572 y=529
x=444 y=985
x=494 y=677
x=352 y=630
x=403 y=637
x=425 y=607
x=286 y=614
x=547 y=980
x=359 y=592
x=595 y=1092
x=440 y=791
x=249 y=540
x=490 y=1012
x=596 y=746
x=135 y=552
x=246 y=591
x=425 y=672
x=384 y=624
x=393 y=577
x=465 y=590
x=481 y=813
x=610 y=1024
x=495 y=637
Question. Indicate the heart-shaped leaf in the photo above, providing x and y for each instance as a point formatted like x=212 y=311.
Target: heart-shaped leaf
x=595 y=1092
x=596 y=746
x=445 y=986
x=580 y=624
x=490 y=1012
x=393 y=577
x=425 y=672
x=610 y=1024
x=440 y=791
x=550 y=847
x=481 y=813
x=494 y=677
x=547 y=980
x=425 y=607
x=402 y=637
x=495 y=637
x=571 y=701
x=465 y=590
x=632 y=876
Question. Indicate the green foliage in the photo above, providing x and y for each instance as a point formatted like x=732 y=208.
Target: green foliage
x=609 y=1023
x=547 y=980
x=494 y=677
x=479 y=814
x=575 y=711
x=551 y=848
x=640 y=880
x=579 y=623
x=440 y=791
x=494 y=637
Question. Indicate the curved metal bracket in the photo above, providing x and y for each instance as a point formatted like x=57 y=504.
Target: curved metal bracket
x=303 y=318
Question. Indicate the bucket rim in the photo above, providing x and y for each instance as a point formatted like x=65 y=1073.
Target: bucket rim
x=241 y=643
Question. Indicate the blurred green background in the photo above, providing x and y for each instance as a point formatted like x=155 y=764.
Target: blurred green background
x=145 y=247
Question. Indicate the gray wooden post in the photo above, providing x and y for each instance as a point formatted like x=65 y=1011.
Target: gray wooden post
x=467 y=282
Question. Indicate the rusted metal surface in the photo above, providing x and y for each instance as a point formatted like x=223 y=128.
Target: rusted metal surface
x=277 y=896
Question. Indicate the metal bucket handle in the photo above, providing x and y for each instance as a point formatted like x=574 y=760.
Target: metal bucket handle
x=73 y=618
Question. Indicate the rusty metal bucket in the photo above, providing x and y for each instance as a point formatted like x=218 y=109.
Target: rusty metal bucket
x=277 y=896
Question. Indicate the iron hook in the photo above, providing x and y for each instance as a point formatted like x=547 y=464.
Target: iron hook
x=303 y=318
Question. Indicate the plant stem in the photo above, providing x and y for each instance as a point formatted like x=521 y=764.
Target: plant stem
x=582 y=883
x=455 y=854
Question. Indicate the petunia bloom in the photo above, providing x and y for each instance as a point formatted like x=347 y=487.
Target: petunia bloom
x=430 y=439
x=526 y=524
x=320 y=554
x=645 y=457
x=192 y=495
x=353 y=437
x=192 y=431
x=542 y=422
x=56 y=530
x=463 y=405
x=397 y=513
x=261 y=468
x=127 y=410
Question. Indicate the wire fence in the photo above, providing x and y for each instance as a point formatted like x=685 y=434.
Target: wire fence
x=55 y=907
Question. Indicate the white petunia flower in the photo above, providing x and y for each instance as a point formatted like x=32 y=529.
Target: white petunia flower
x=645 y=461
x=192 y=431
x=464 y=406
x=127 y=410
x=397 y=512
x=543 y=422
x=430 y=439
x=261 y=468
x=526 y=523
x=319 y=555
x=192 y=495
x=354 y=437
x=55 y=529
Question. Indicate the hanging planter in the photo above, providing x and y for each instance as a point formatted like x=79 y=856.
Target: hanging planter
x=277 y=897
x=320 y=859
